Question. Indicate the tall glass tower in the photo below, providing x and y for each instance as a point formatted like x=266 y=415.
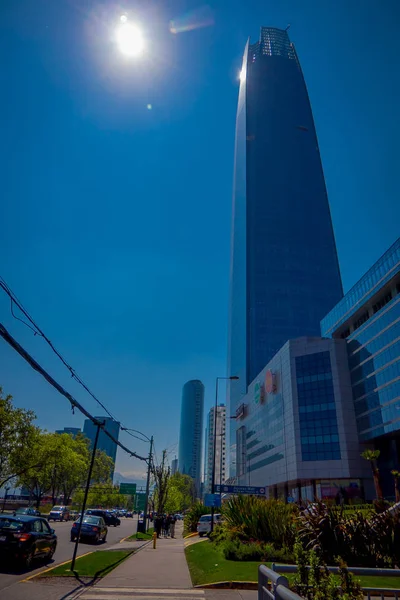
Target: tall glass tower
x=191 y=431
x=284 y=269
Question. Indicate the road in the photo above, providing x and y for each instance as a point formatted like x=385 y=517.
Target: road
x=65 y=549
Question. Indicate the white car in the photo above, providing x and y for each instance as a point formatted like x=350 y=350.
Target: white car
x=204 y=524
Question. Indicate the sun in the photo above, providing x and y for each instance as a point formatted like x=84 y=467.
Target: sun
x=129 y=39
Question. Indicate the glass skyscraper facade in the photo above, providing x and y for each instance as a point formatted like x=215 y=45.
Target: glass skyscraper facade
x=104 y=442
x=368 y=318
x=284 y=270
x=191 y=431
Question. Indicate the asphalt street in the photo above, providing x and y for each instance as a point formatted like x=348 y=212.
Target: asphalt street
x=10 y=577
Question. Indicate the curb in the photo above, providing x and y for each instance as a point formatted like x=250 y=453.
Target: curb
x=230 y=585
x=190 y=535
x=53 y=567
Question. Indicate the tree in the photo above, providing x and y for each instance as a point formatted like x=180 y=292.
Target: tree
x=181 y=493
x=103 y=468
x=372 y=456
x=396 y=476
x=161 y=475
x=17 y=439
x=103 y=495
x=42 y=478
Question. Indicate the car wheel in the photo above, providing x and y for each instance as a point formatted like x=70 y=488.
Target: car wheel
x=104 y=539
x=72 y=538
x=96 y=539
x=51 y=553
x=201 y=534
x=28 y=560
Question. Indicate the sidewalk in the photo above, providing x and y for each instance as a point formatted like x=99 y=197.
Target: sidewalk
x=160 y=574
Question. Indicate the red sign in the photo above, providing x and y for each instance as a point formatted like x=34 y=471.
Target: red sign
x=270 y=382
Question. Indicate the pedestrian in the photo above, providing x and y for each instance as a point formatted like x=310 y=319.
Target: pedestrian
x=164 y=525
x=172 y=526
x=158 y=525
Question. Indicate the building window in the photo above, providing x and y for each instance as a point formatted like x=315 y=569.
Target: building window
x=317 y=409
x=382 y=302
x=364 y=317
x=345 y=334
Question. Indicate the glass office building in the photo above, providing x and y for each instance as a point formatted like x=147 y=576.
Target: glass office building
x=296 y=428
x=284 y=274
x=104 y=442
x=191 y=431
x=368 y=318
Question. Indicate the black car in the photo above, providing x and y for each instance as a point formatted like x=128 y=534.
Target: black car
x=93 y=528
x=23 y=538
x=108 y=517
x=33 y=512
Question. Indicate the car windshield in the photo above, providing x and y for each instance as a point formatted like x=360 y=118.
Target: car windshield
x=57 y=508
x=7 y=523
x=205 y=518
x=90 y=520
x=22 y=511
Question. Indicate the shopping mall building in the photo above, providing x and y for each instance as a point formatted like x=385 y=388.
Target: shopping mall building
x=320 y=401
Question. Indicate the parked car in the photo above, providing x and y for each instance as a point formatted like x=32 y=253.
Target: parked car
x=59 y=513
x=204 y=524
x=129 y=514
x=33 y=512
x=24 y=538
x=93 y=528
x=108 y=517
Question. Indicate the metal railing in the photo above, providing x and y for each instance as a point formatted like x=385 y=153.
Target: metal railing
x=272 y=586
x=369 y=593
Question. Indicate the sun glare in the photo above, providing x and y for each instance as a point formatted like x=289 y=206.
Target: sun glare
x=129 y=38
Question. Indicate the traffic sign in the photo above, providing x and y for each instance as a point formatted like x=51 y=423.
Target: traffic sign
x=128 y=489
x=241 y=489
x=212 y=500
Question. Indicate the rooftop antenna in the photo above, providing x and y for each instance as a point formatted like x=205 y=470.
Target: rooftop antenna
x=287 y=27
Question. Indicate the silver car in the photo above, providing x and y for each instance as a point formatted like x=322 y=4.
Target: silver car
x=59 y=513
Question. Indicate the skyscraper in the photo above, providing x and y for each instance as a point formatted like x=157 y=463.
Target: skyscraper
x=191 y=431
x=284 y=269
x=104 y=442
x=220 y=447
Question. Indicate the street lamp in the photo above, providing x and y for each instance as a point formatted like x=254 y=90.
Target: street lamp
x=218 y=379
x=149 y=462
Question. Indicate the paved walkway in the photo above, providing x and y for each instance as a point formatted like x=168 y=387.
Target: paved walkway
x=160 y=574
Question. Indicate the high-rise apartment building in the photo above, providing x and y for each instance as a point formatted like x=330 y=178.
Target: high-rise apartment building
x=104 y=442
x=191 y=431
x=174 y=466
x=218 y=425
x=284 y=273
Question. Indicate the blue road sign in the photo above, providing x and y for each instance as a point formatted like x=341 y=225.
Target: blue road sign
x=241 y=489
x=212 y=500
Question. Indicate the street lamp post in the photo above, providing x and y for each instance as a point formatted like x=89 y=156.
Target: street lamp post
x=232 y=378
x=149 y=463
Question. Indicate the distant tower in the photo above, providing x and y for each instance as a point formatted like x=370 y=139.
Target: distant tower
x=174 y=466
x=104 y=442
x=191 y=431
x=220 y=447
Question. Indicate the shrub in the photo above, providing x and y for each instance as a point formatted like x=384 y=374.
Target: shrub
x=193 y=515
x=236 y=550
x=359 y=540
x=262 y=520
x=316 y=583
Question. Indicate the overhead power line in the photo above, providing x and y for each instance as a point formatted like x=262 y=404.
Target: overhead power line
x=38 y=331
x=34 y=327
x=74 y=403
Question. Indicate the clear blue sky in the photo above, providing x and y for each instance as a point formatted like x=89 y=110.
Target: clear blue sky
x=116 y=219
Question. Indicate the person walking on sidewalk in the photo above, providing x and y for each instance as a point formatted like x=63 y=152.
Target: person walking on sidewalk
x=158 y=525
x=172 y=526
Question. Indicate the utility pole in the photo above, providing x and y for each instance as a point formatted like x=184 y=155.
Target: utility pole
x=146 y=506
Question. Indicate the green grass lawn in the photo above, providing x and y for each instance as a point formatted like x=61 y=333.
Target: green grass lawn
x=96 y=564
x=142 y=536
x=208 y=565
